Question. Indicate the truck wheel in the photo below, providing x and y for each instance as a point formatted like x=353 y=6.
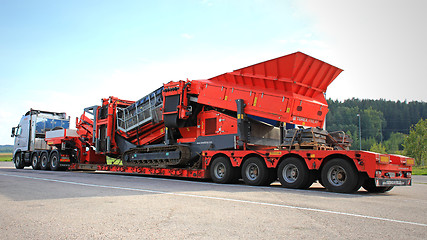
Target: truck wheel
x=293 y=173
x=369 y=185
x=339 y=175
x=222 y=171
x=54 y=161
x=35 y=161
x=19 y=163
x=44 y=161
x=254 y=172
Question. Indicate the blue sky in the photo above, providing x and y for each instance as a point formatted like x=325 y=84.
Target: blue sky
x=67 y=55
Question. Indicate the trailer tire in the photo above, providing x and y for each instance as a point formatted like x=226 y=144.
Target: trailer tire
x=44 y=161
x=272 y=176
x=19 y=163
x=339 y=175
x=54 y=161
x=360 y=181
x=222 y=171
x=311 y=179
x=293 y=173
x=255 y=172
x=35 y=161
x=369 y=185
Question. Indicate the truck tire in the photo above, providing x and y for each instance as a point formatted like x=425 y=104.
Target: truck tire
x=339 y=175
x=54 y=162
x=255 y=172
x=44 y=161
x=35 y=161
x=369 y=185
x=222 y=171
x=19 y=163
x=293 y=173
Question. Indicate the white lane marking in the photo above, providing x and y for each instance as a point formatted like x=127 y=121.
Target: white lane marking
x=222 y=199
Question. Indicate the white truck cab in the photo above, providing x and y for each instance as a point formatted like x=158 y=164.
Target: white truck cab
x=30 y=136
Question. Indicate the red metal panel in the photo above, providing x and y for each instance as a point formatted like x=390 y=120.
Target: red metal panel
x=297 y=73
x=268 y=102
x=174 y=172
x=214 y=92
x=274 y=89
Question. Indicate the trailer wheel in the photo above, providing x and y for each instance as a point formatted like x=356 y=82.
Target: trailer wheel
x=319 y=179
x=293 y=173
x=19 y=163
x=369 y=185
x=272 y=176
x=339 y=175
x=255 y=172
x=360 y=180
x=54 y=161
x=44 y=161
x=35 y=161
x=222 y=171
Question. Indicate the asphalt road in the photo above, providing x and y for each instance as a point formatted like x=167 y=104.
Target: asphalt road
x=97 y=205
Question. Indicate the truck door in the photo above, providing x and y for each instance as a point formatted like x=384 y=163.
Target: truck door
x=22 y=132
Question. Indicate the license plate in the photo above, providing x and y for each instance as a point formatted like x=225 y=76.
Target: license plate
x=385 y=182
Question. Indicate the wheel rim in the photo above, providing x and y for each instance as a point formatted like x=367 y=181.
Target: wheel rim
x=219 y=170
x=44 y=161
x=34 y=160
x=17 y=160
x=290 y=173
x=54 y=161
x=252 y=171
x=337 y=176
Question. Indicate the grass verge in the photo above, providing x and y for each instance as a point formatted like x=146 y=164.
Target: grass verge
x=419 y=170
x=5 y=157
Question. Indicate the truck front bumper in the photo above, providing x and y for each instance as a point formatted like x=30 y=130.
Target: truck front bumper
x=388 y=182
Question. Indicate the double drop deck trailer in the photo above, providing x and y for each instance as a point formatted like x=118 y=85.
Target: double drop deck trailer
x=260 y=123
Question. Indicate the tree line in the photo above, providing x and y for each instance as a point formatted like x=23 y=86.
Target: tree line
x=385 y=126
x=6 y=148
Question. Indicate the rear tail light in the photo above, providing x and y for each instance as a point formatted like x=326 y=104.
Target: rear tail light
x=410 y=162
x=384 y=159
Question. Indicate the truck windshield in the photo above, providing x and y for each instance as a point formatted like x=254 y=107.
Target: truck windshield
x=46 y=124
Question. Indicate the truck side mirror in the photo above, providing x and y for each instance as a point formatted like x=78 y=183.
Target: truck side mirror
x=13 y=132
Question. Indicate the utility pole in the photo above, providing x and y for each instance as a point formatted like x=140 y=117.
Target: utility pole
x=360 y=134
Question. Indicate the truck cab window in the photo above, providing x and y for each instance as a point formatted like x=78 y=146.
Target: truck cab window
x=16 y=131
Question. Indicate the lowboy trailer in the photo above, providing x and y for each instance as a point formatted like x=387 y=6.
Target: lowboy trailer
x=260 y=123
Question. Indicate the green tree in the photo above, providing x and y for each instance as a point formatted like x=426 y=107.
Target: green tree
x=383 y=121
x=416 y=143
x=367 y=143
x=395 y=143
x=378 y=148
x=372 y=124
